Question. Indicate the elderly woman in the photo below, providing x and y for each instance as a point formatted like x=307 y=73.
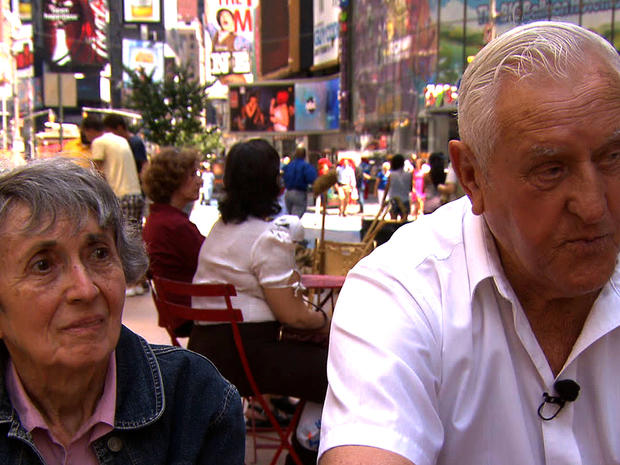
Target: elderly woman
x=172 y=180
x=77 y=386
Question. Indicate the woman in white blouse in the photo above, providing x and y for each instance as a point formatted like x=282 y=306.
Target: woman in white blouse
x=247 y=247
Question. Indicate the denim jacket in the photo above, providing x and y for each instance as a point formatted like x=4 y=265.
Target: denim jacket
x=172 y=408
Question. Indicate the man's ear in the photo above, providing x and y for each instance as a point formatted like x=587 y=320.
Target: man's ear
x=469 y=172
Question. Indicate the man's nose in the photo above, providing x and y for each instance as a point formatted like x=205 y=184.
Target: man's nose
x=588 y=200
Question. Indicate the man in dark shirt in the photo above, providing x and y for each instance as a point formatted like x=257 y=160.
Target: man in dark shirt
x=298 y=175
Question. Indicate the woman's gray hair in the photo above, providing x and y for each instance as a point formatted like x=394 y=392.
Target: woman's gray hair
x=58 y=188
x=546 y=48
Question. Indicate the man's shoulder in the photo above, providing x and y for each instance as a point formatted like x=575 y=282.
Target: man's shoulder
x=435 y=235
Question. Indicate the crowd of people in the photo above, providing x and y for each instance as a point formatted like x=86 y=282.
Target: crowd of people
x=485 y=331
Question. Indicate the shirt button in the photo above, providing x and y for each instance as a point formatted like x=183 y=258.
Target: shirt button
x=115 y=444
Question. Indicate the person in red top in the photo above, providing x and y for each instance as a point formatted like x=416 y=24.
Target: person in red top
x=172 y=180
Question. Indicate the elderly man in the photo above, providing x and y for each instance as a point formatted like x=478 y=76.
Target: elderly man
x=470 y=347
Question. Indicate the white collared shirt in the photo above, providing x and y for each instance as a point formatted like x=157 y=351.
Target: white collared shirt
x=432 y=357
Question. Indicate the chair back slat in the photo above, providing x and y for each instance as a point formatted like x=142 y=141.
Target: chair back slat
x=165 y=291
x=220 y=315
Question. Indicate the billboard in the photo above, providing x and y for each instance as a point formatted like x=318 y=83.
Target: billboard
x=141 y=11
x=326 y=31
x=262 y=108
x=25 y=10
x=300 y=106
x=187 y=10
x=23 y=51
x=75 y=34
x=229 y=44
x=393 y=57
x=316 y=105
x=144 y=55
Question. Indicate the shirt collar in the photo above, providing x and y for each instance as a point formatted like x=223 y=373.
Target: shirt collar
x=483 y=262
x=481 y=256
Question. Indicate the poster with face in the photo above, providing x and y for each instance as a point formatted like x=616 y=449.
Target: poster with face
x=264 y=108
x=75 y=34
x=229 y=44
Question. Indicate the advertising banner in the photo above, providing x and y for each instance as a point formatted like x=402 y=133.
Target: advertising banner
x=316 y=105
x=142 y=11
x=23 y=52
x=393 y=56
x=187 y=10
x=326 y=31
x=145 y=55
x=25 y=10
x=75 y=34
x=262 y=108
x=229 y=44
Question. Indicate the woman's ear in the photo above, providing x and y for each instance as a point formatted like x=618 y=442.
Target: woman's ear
x=468 y=170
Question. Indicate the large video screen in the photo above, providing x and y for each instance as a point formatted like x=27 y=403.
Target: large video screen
x=75 y=34
x=297 y=106
x=262 y=108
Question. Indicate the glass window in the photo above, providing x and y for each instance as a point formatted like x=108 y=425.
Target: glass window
x=597 y=16
x=451 y=59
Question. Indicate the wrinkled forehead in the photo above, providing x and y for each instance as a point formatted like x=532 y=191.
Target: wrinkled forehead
x=19 y=218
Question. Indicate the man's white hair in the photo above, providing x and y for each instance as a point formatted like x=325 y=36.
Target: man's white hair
x=545 y=48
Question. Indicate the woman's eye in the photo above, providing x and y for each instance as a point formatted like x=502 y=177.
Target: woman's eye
x=101 y=253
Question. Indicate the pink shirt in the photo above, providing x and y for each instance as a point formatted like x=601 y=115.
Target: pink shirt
x=79 y=451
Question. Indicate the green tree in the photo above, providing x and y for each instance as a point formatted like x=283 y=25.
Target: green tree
x=173 y=110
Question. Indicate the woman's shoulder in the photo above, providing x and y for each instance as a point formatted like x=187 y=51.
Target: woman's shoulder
x=177 y=362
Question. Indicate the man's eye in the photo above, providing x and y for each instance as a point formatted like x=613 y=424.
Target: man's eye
x=611 y=159
x=546 y=176
x=42 y=266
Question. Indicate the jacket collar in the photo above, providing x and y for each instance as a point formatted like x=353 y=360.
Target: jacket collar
x=139 y=389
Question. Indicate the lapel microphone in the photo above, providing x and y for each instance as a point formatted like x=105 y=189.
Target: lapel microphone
x=567 y=391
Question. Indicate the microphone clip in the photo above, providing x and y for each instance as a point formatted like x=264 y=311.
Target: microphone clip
x=568 y=391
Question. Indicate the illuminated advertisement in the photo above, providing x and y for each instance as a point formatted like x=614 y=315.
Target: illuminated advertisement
x=229 y=44
x=142 y=11
x=393 y=56
x=75 y=33
x=326 y=31
x=23 y=51
x=144 y=55
x=316 y=105
x=187 y=10
x=25 y=10
x=262 y=108
x=299 y=106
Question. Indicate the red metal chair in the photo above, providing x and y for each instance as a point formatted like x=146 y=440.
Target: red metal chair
x=165 y=292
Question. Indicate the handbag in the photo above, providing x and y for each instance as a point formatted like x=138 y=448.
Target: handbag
x=303 y=336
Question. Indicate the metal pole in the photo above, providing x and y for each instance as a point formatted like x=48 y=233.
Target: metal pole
x=61 y=114
x=4 y=123
x=493 y=14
